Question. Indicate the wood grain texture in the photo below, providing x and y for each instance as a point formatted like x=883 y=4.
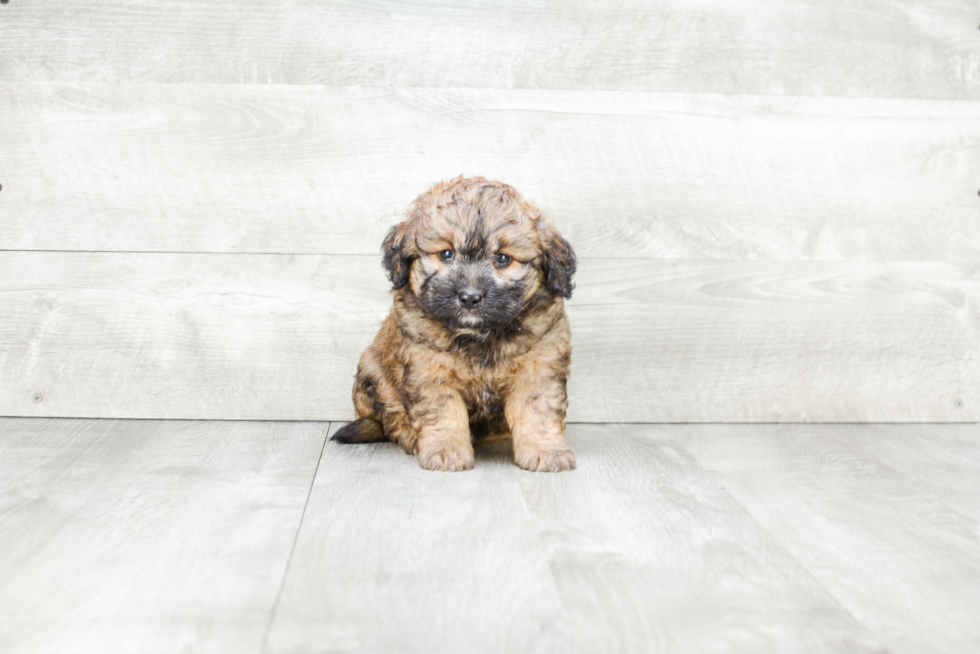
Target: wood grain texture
x=278 y=337
x=886 y=544
x=147 y=536
x=195 y=336
x=393 y=557
x=949 y=471
x=703 y=341
x=221 y=168
x=638 y=550
x=886 y=48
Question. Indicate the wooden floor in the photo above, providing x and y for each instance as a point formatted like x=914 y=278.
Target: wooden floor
x=203 y=536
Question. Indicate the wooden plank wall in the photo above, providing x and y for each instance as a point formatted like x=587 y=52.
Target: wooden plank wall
x=775 y=204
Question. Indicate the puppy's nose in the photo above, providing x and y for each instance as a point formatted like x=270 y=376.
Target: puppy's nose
x=469 y=297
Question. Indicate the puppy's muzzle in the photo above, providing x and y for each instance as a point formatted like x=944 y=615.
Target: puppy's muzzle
x=470 y=297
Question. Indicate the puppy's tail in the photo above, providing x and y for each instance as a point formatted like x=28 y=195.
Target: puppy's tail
x=365 y=430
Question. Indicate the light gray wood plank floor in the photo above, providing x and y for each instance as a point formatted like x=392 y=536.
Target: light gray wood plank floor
x=141 y=536
x=121 y=536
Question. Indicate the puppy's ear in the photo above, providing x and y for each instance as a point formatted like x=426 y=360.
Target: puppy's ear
x=559 y=260
x=394 y=257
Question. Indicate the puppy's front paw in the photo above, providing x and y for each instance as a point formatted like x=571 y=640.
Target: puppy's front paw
x=542 y=460
x=446 y=459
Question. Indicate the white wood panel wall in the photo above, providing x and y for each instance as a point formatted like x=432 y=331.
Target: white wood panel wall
x=775 y=204
x=859 y=48
x=223 y=168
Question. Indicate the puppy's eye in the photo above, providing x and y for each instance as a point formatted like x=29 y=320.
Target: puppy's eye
x=447 y=255
x=501 y=260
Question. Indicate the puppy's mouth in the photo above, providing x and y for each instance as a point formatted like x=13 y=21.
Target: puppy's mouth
x=463 y=313
x=483 y=318
x=469 y=318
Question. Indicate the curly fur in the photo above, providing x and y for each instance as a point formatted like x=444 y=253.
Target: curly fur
x=442 y=369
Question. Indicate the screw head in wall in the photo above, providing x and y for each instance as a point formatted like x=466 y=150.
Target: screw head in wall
x=37 y=398
x=958 y=403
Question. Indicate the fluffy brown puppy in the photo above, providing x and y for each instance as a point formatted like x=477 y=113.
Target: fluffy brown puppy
x=477 y=343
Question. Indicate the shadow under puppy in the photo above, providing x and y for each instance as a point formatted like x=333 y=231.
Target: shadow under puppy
x=477 y=343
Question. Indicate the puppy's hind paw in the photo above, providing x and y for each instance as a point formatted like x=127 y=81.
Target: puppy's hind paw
x=446 y=460
x=545 y=460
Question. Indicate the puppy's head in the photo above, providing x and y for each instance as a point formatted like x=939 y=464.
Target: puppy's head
x=476 y=254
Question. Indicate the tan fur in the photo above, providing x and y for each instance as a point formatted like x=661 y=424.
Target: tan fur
x=425 y=379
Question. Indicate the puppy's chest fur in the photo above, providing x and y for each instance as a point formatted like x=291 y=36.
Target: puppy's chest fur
x=480 y=372
x=481 y=369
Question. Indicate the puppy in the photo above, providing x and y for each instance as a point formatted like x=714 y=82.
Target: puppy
x=477 y=343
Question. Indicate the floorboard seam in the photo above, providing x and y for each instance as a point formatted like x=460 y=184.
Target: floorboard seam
x=873 y=633
x=787 y=550
x=292 y=549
